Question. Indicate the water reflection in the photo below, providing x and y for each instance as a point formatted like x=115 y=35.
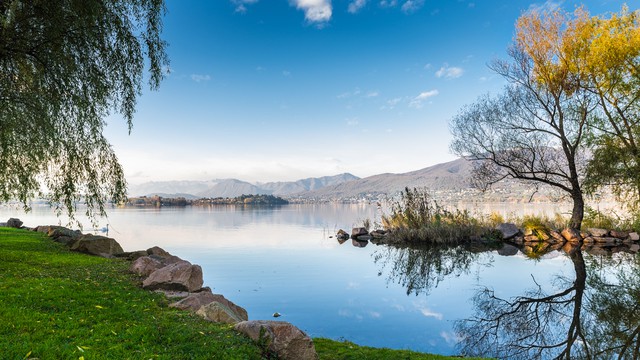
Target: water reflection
x=420 y=269
x=593 y=315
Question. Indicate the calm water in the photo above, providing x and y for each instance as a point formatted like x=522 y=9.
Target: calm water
x=285 y=260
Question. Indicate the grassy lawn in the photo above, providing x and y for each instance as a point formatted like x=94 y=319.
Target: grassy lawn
x=56 y=304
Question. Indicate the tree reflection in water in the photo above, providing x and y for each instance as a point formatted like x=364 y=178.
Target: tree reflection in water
x=420 y=269
x=594 y=316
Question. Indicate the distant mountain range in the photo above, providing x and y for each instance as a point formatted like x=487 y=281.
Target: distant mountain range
x=234 y=187
x=450 y=180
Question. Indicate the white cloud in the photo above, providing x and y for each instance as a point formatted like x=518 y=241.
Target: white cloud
x=353 y=122
x=410 y=6
x=241 y=5
x=371 y=94
x=315 y=11
x=450 y=72
x=356 y=5
x=388 y=3
x=450 y=337
x=200 y=77
x=428 y=313
x=548 y=5
x=418 y=101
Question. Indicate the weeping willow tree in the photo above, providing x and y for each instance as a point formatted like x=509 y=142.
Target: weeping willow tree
x=64 y=67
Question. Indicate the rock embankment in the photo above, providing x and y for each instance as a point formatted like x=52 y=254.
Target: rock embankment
x=182 y=281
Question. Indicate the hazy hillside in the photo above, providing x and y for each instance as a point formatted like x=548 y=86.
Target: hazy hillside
x=450 y=180
x=233 y=187
x=309 y=184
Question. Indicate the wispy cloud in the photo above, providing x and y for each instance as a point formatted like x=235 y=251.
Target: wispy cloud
x=356 y=5
x=241 y=5
x=450 y=337
x=428 y=313
x=548 y=5
x=388 y=3
x=371 y=94
x=200 y=78
x=410 y=6
x=315 y=11
x=418 y=101
x=450 y=72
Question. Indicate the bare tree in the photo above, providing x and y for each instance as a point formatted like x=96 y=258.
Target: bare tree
x=531 y=131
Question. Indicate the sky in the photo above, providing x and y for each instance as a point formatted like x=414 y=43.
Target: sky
x=280 y=90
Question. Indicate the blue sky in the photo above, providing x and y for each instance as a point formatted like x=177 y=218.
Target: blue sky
x=276 y=90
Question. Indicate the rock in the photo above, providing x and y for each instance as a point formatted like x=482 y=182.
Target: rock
x=276 y=314
x=173 y=295
x=158 y=251
x=96 y=245
x=14 y=223
x=378 y=234
x=518 y=240
x=603 y=241
x=132 y=255
x=589 y=240
x=195 y=301
x=508 y=230
x=619 y=234
x=555 y=237
x=219 y=313
x=342 y=235
x=59 y=231
x=358 y=243
x=531 y=238
x=634 y=248
x=355 y=232
x=364 y=237
x=145 y=265
x=66 y=240
x=633 y=236
x=571 y=235
x=286 y=340
x=180 y=276
x=44 y=228
x=598 y=232
x=507 y=250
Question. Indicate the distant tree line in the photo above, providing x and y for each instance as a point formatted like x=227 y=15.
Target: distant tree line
x=158 y=201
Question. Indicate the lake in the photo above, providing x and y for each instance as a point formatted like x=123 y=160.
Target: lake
x=286 y=260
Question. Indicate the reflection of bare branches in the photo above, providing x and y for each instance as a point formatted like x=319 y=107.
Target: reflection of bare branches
x=421 y=269
x=533 y=326
x=615 y=304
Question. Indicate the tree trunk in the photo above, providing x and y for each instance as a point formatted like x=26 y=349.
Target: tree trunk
x=578 y=210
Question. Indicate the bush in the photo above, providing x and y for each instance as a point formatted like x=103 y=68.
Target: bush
x=417 y=217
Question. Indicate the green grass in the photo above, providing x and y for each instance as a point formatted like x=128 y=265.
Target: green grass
x=56 y=304
x=345 y=350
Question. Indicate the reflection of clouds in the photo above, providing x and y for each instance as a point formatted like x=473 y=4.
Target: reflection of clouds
x=344 y=313
x=398 y=307
x=450 y=337
x=428 y=313
x=375 y=314
x=353 y=285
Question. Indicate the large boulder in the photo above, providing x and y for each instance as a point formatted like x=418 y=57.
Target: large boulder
x=180 y=276
x=286 y=340
x=220 y=313
x=96 y=245
x=14 y=223
x=63 y=235
x=598 y=232
x=359 y=231
x=145 y=265
x=158 y=251
x=508 y=230
x=507 y=250
x=195 y=301
x=571 y=235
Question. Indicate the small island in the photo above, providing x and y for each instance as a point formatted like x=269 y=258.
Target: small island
x=159 y=201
